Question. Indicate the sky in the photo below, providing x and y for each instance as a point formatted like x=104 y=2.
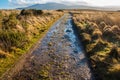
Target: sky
x=11 y=4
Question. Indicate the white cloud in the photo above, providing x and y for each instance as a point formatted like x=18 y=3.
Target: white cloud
x=72 y=2
x=29 y=2
x=104 y=2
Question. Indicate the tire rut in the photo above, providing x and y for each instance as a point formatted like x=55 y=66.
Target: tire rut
x=59 y=56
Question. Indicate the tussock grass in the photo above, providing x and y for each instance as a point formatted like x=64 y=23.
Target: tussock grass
x=101 y=39
x=20 y=30
x=31 y=12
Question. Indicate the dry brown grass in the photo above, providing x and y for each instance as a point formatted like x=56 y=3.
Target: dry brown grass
x=3 y=54
x=103 y=29
x=19 y=32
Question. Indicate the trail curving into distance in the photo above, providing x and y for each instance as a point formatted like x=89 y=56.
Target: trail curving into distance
x=59 y=56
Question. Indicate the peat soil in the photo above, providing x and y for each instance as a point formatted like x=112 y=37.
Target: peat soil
x=58 y=56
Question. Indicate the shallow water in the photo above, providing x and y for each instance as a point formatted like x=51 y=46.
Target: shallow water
x=63 y=49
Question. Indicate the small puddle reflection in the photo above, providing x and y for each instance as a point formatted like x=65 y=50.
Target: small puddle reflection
x=71 y=37
x=75 y=45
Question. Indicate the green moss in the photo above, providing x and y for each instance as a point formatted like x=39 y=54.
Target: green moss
x=44 y=73
x=99 y=38
x=17 y=43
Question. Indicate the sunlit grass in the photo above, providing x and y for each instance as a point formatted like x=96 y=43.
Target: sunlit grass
x=16 y=39
x=101 y=39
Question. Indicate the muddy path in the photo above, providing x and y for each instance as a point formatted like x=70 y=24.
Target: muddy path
x=59 y=56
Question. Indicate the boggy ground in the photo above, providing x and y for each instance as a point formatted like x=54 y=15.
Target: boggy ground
x=100 y=34
x=19 y=30
x=59 y=56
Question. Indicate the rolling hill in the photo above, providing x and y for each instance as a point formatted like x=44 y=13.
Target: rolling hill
x=55 y=6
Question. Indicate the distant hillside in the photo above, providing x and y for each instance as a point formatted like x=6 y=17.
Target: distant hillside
x=55 y=6
x=48 y=6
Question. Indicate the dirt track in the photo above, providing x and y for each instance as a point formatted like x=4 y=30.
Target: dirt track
x=59 y=56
